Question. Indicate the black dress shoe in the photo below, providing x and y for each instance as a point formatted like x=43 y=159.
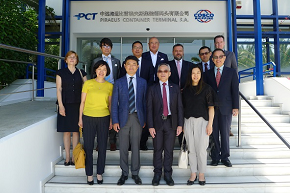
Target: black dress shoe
x=122 y=180
x=191 y=182
x=214 y=162
x=137 y=179
x=227 y=163
x=202 y=183
x=90 y=182
x=100 y=181
x=71 y=163
x=156 y=180
x=66 y=163
x=169 y=181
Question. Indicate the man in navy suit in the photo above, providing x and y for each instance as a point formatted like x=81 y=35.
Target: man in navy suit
x=106 y=46
x=205 y=53
x=165 y=121
x=179 y=70
x=128 y=114
x=225 y=82
x=231 y=62
x=154 y=57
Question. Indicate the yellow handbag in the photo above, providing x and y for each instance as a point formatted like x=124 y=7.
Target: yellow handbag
x=79 y=155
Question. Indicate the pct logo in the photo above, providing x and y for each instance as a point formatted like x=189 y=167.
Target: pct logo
x=87 y=16
x=204 y=16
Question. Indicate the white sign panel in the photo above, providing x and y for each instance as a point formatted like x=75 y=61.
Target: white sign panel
x=121 y=17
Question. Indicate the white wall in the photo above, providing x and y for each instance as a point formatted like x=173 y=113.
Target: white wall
x=248 y=88
x=28 y=157
x=279 y=87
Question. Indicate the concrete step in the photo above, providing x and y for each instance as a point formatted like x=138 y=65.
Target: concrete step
x=249 y=128
x=271 y=118
x=259 y=139
x=239 y=184
x=241 y=167
x=264 y=110
x=236 y=153
x=258 y=103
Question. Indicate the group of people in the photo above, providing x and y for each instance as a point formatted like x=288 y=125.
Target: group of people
x=149 y=95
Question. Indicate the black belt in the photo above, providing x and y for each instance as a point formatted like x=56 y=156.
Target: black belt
x=166 y=117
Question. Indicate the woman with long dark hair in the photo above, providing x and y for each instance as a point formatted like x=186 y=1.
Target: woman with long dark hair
x=198 y=102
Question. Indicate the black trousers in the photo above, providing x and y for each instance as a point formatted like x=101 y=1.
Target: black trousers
x=221 y=133
x=164 y=141
x=93 y=125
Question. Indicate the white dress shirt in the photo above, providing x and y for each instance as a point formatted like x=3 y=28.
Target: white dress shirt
x=167 y=93
x=221 y=70
x=139 y=62
x=154 y=58
x=203 y=65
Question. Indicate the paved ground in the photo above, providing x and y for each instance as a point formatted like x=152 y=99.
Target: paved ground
x=17 y=116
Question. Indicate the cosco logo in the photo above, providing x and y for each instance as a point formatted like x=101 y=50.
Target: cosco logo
x=204 y=16
x=87 y=16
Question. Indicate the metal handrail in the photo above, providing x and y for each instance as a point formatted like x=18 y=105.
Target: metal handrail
x=253 y=73
x=263 y=118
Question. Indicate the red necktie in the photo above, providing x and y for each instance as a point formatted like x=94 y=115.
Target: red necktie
x=205 y=67
x=218 y=77
x=165 y=107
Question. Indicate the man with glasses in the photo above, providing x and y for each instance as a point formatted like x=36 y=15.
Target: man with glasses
x=165 y=121
x=205 y=53
x=106 y=46
x=154 y=57
x=225 y=83
x=231 y=62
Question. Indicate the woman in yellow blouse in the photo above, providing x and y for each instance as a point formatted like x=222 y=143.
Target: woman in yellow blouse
x=95 y=118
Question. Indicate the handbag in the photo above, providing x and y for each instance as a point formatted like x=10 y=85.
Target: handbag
x=79 y=155
x=183 y=156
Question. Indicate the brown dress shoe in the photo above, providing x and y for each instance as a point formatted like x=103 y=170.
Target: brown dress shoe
x=231 y=134
x=97 y=148
x=113 y=147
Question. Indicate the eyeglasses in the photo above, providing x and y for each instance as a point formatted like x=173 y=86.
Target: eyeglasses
x=105 y=46
x=206 y=53
x=137 y=48
x=72 y=57
x=218 y=57
x=133 y=65
x=164 y=71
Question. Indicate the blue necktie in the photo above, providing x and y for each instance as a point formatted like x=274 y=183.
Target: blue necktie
x=107 y=78
x=131 y=97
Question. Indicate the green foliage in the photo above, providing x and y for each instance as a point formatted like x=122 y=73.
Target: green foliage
x=18 y=28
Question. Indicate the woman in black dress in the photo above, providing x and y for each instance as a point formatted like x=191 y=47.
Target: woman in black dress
x=198 y=101
x=69 y=83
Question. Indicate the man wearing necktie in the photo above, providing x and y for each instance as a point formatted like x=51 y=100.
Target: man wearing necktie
x=205 y=54
x=128 y=114
x=106 y=46
x=165 y=121
x=179 y=70
x=225 y=83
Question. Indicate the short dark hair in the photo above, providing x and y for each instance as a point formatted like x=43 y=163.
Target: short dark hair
x=204 y=47
x=218 y=50
x=106 y=41
x=176 y=46
x=98 y=64
x=137 y=42
x=218 y=36
x=131 y=57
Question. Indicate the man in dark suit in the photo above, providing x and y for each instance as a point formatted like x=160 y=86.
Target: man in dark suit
x=179 y=67
x=179 y=71
x=225 y=82
x=231 y=62
x=106 y=46
x=205 y=53
x=165 y=121
x=154 y=57
x=129 y=95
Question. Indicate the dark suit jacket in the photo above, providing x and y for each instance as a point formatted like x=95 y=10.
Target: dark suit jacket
x=228 y=90
x=155 y=106
x=147 y=72
x=116 y=65
x=120 y=101
x=161 y=58
x=174 y=78
x=211 y=64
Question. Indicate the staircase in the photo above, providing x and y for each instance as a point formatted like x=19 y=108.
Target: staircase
x=261 y=164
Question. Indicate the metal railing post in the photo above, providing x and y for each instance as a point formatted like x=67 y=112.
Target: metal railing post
x=32 y=82
x=239 y=123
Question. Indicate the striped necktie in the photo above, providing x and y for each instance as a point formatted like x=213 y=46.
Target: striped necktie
x=131 y=97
